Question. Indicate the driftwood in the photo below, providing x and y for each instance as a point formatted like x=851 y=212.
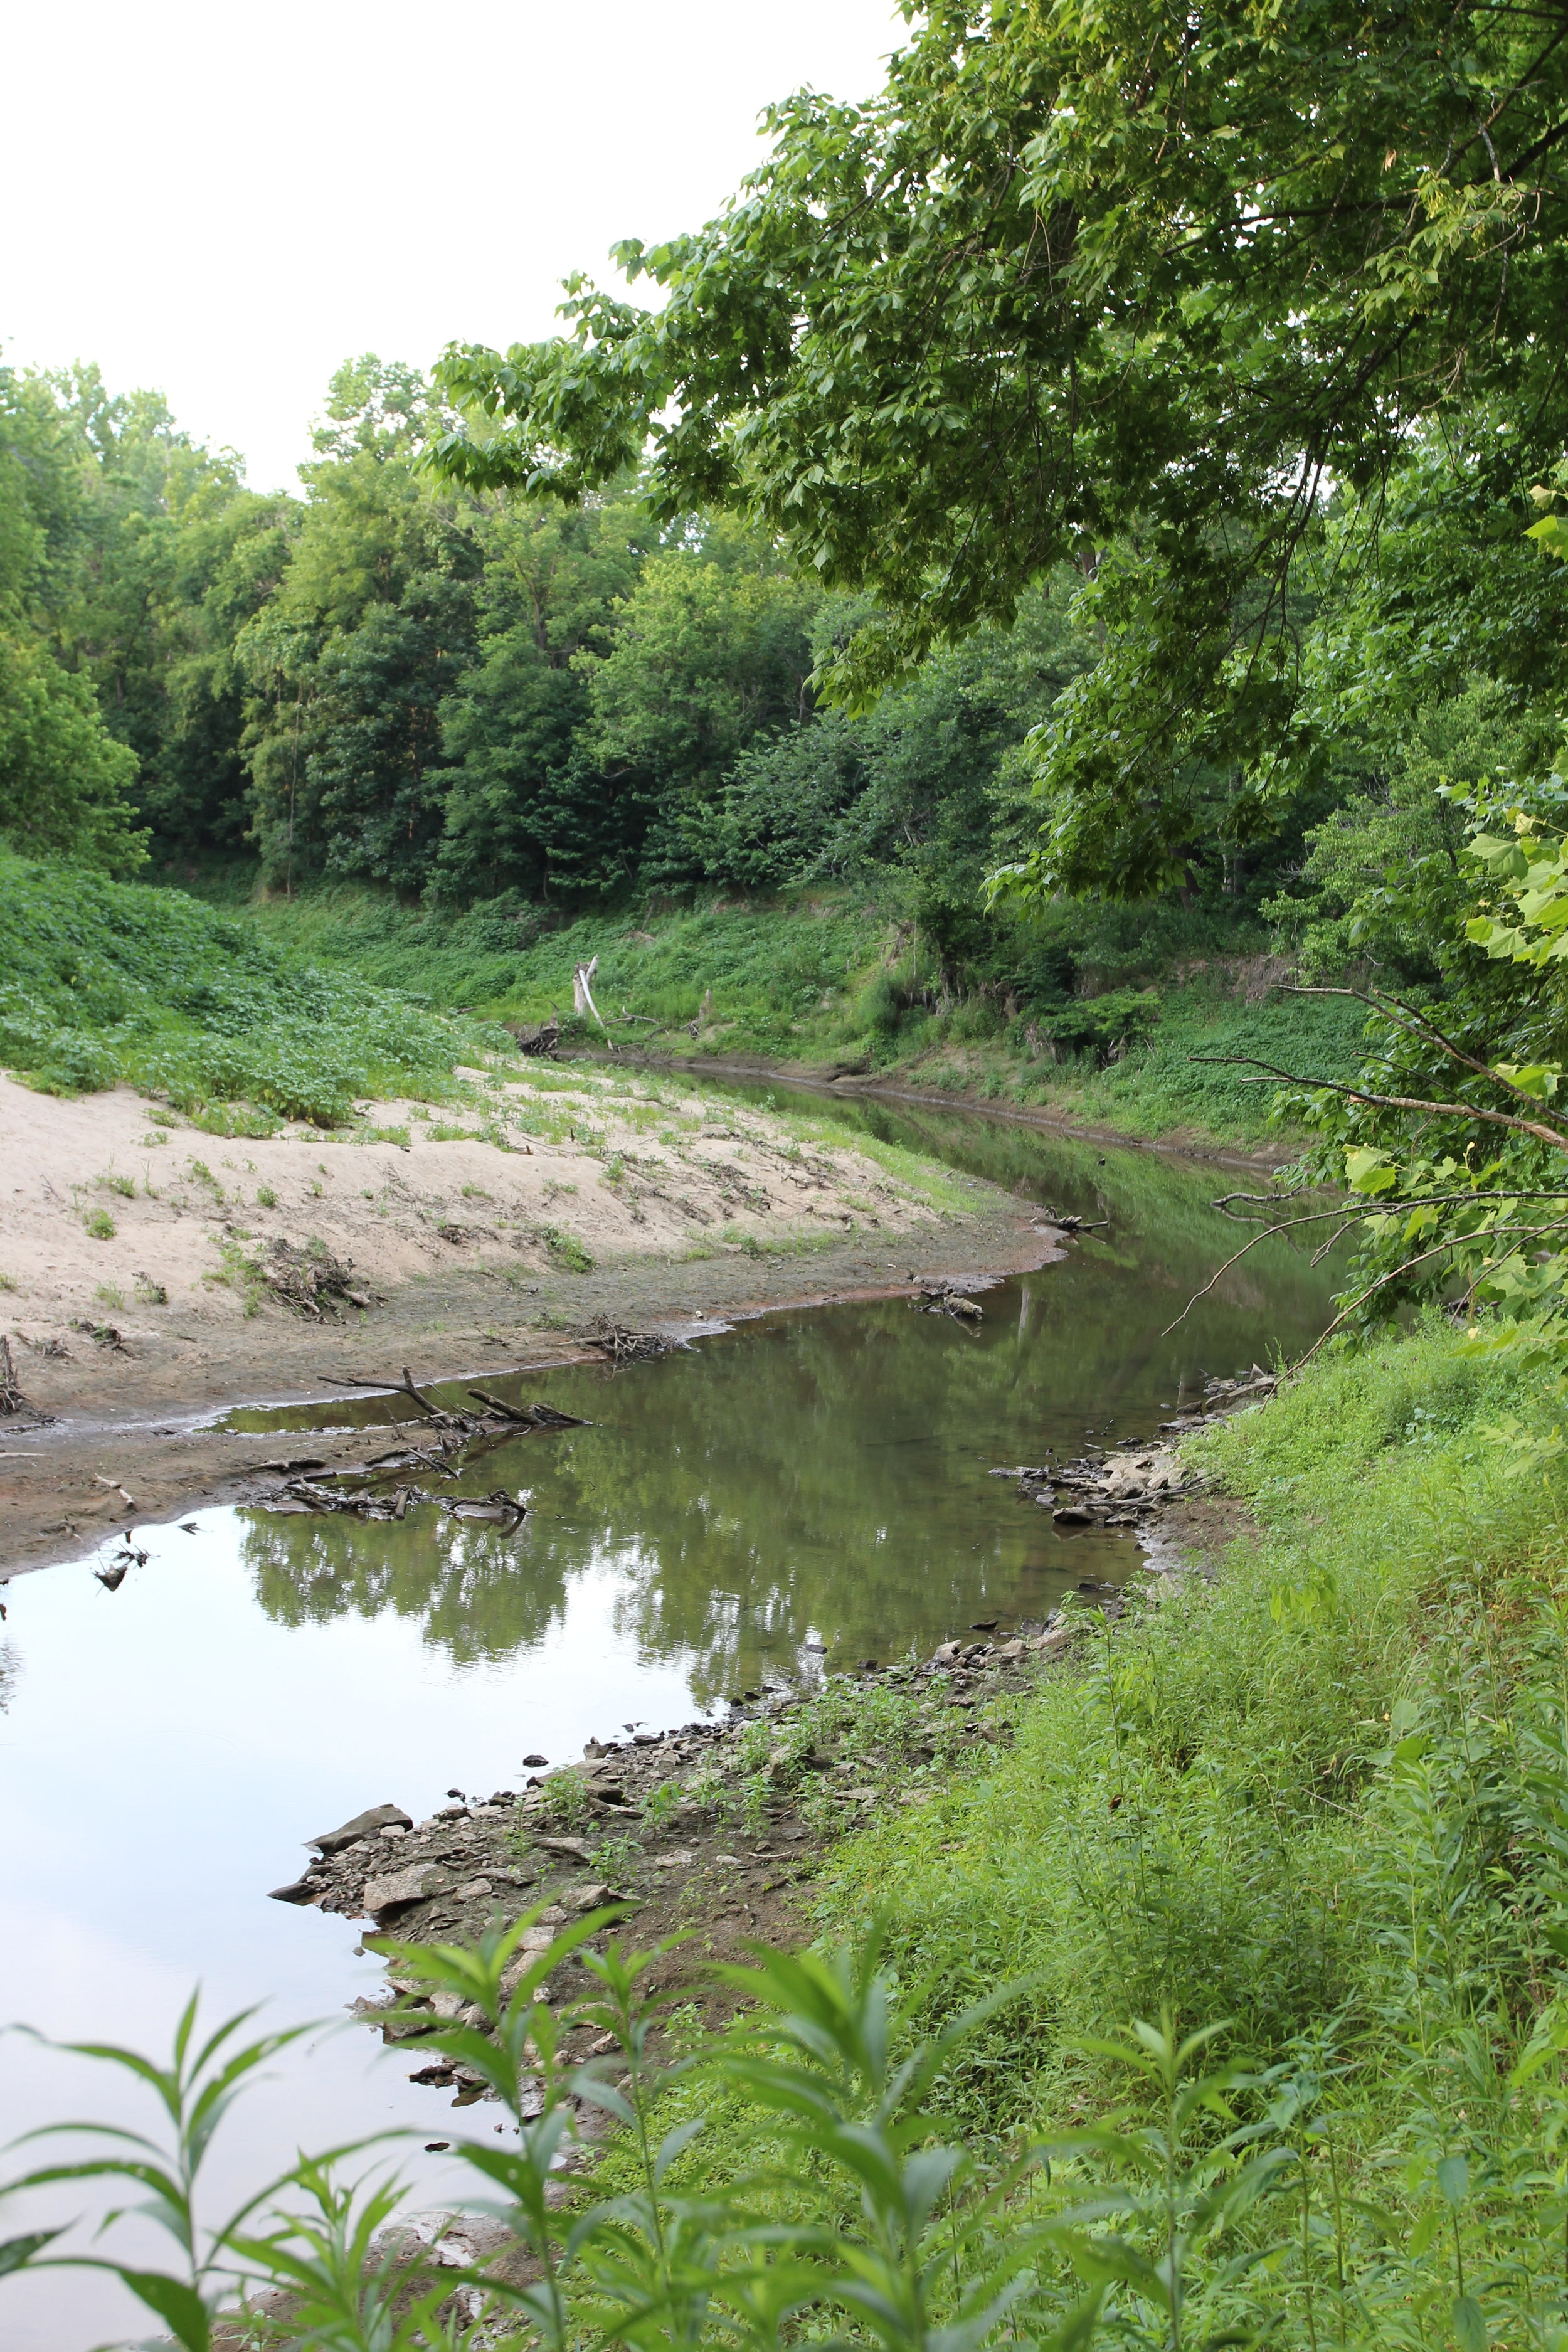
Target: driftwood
x=530 y=1416
x=310 y=1281
x=405 y=1387
x=542 y=1042
x=11 y=1397
x=938 y=1298
x=623 y=1345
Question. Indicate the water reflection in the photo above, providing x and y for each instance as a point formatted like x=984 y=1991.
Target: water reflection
x=825 y=1477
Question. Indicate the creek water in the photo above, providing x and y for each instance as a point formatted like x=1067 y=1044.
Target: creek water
x=801 y=1487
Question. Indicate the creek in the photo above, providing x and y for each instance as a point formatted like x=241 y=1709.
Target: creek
x=802 y=1487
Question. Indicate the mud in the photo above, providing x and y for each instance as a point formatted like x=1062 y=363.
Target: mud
x=129 y=1437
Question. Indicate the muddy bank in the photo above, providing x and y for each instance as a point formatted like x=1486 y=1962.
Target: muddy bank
x=715 y=1831
x=130 y=1439
x=712 y=1831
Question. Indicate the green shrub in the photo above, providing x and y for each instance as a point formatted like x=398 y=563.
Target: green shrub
x=102 y=982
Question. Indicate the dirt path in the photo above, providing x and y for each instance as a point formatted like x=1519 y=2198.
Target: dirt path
x=149 y=1267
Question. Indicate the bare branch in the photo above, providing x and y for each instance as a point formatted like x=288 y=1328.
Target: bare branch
x=1538 y=1127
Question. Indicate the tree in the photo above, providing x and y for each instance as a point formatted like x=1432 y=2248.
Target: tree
x=527 y=805
x=1122 y=285
x=711 y=652
x=368 y=631
x=65 y=783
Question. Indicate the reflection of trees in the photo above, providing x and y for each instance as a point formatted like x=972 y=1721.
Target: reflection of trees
x=476 y=1596
x=825 y=1473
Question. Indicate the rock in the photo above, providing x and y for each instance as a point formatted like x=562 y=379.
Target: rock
x=1008 y=1653
x=588 y=1898
x=379 y=1817
x=679 y=1859
x=1072 y=1515
x=303 y=1890
x=472 y=1890
x=572 y=1848
x=411 y=1886
x=532 y=1762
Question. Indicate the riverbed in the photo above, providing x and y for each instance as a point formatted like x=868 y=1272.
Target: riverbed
x=778 y=1497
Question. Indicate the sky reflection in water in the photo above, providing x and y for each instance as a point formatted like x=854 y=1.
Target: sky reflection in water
x=807 y=1478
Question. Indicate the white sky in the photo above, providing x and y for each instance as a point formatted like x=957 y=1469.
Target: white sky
x=224 y=203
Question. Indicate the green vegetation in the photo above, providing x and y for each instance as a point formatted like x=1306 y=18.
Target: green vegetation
x=1304 y=1821
x=104 y=982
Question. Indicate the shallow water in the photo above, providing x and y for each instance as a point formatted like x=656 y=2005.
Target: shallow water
x=818 y=1478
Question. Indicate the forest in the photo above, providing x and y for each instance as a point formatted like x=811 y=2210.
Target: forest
x=1078 y=538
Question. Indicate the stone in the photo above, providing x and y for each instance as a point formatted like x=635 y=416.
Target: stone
x=532 y=1762
x=1072 y=1515
x=302 y=1890
x=1007 y=1652
x=588 y=1898
x=473 y=1890
x=400 y=1887
x=363 y=1825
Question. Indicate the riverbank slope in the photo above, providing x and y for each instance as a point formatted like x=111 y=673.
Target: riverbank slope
x=155 y=1275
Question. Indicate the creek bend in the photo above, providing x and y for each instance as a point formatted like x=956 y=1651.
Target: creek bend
x=800 y=1484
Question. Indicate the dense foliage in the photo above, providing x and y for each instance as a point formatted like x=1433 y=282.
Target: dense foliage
x=107 y=981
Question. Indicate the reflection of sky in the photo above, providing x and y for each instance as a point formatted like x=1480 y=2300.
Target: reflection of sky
x=166 y=1750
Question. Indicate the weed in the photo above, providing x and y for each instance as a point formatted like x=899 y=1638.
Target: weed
x=99 y=1224
x=564 y=1802
x=266 y=1198
x=9 y=1282
x=109 y=1294
x=384 y=1135
x=240 y=1272
x=475 y=1193
x=153 y=1137
x=615 y=1858
x=125 y=1185
x=150 y=1293
x=565 y=1250
x=662 y=1805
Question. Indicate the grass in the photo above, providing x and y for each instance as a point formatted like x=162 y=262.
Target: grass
x=105 y=983
x=830 y=980
x=1304 y=1821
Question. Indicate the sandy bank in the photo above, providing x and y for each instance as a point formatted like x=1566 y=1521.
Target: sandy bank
x=136 y=1254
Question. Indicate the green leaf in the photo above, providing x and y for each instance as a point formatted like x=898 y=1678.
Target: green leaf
x=179 y=2306
x=1470 y=2327
x=1454 y=2179
x=15 y=2253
